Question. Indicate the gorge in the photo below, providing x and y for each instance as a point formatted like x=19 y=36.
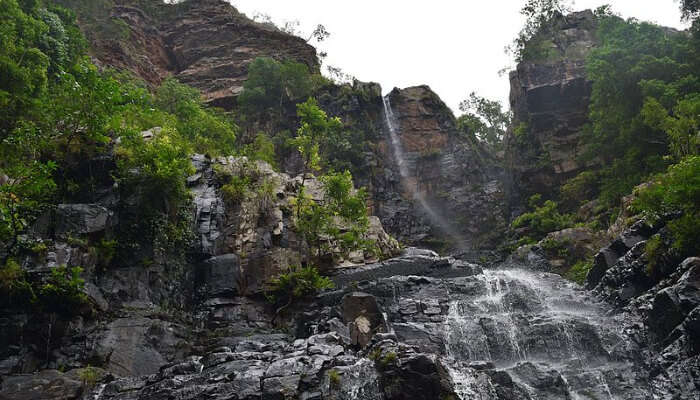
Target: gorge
x=190 y=210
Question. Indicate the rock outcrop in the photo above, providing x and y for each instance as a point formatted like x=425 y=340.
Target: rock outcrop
x=463 y=186
x=207 y=44
x=549 y=99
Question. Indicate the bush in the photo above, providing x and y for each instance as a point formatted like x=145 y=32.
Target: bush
x=579 y=189
x=673 y=196
x=63 y=293
x=89 y=376
x=235 y=190
x=544 y=218
x=654 y=249
x=298 y=283
x=389 y=358
x=579 y=271
x=334 y=378
x=15 y=291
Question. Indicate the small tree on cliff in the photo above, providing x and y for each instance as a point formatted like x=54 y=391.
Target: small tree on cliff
x=319 y=222
x=539 y=14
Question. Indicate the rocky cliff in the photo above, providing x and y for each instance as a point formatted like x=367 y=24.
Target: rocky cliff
x=549 y=99
x=207 y=44
x=453 y=189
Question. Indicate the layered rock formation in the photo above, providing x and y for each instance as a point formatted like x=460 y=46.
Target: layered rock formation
x=461 y=184
x=549 y=99
x=207 y=44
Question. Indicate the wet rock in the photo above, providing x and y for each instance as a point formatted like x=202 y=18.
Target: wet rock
x=220 y=276
x=283 y=387
x=671 y=305
x=81 y=218
x=552 y=97
x=363 y=316
x=44 y=385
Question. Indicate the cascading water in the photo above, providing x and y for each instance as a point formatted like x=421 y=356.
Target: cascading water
x=409 y=182
x=550 y=338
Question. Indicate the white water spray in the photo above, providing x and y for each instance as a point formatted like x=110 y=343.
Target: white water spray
x=409 y=183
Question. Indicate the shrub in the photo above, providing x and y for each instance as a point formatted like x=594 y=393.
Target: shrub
x=654 y=250
x=296 y=284
x=89 y=376
x=104 y=251
x=579 y=271
x=581 y=188
x=15 y=291
x=674 y=196
x=544 y=218
x=388 y=359
x=334 y=378
x=63 y=293
x=235 y=190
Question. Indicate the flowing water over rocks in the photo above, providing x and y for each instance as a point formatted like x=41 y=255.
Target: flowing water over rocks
x=545 y=334
x=436 y=328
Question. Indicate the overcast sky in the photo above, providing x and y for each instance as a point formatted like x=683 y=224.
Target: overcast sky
x=454 y=46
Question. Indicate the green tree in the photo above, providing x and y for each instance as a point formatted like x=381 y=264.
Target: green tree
x=272 y=84
x=681 y=125
x=674 y=194
x=540 y=17
x=633 y=64
x=206 y=129
x=485 y=119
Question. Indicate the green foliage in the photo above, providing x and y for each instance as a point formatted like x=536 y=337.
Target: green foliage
x=104 y=251
x=580 y=188
x=654 y=249
x=579 y=271
x=484 y=119
x=271 y=84
x=235 y=190
x=156 y=168
x=89 y=376
x=644 y=95
x=543 y=218
x=389 y=358
x=541 y=17
x=206 y=129
x=315 y=127
x=676 y=192
x=298 y=283
x=63 y=293
x=339 y=220
x=681 y=125
x=262 y=148
x=15 y=290
x=22 y=196
x=334 y=378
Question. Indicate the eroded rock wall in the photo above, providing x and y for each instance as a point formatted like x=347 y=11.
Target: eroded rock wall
x=549 y=99
x=460 y=181
x=207 y=44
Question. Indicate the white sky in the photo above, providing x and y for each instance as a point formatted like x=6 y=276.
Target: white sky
x=454 y=46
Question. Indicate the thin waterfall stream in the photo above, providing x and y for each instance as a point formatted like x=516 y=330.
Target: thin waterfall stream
x=409 y=182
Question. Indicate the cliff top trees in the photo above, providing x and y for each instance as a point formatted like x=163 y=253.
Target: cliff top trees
x=539 y=14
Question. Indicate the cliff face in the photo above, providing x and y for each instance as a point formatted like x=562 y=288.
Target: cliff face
x=461 y=184
x=549 y=98
x=207 y=44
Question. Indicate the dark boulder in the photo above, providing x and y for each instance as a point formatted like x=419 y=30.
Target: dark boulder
x=81 y=218
x=363 y=316
x=219 y=276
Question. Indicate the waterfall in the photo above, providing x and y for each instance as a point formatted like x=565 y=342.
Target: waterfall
x=526 y=323
x=410 y=183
